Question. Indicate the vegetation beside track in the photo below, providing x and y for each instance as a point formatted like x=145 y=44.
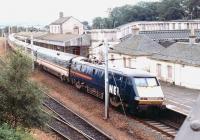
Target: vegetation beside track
x=21 y=99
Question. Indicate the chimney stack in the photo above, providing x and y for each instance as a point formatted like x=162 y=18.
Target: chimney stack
x=135 y=31
x=61 y=15
x=192 y=37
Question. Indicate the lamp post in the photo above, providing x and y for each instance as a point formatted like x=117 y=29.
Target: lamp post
x=32 y=55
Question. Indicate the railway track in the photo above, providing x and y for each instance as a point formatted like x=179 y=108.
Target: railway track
x=68 y=117
x=65 y=130
x=161 y=127
x=166 y=123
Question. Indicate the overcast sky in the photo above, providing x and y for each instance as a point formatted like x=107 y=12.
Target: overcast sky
x=46 y=11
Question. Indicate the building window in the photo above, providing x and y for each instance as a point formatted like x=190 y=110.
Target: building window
x=129 y=62
x=188 y=26
x=124 y=59
x=174 y=26
x=158 y=70
x=169 y=72
x=76 y=50
x=112 y=58
x=76 y=30
x=143 y=27
x=179 y=26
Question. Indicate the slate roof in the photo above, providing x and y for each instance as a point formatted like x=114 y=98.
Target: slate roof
x=183 y=53
x=137 y=45
x=28 y=34
x=60 y=21
x=169 y=34
x=57 y=37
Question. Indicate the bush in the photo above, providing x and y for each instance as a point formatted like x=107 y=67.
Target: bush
x=21 y=99
x=7 y=133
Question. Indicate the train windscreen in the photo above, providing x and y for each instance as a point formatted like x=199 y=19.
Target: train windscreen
x=146 y=81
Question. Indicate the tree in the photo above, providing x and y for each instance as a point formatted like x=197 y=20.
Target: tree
x=193 y=8
x=150 y=11
x=171 y=10
x=86 y=24
x=97 y=23
x=21 y=99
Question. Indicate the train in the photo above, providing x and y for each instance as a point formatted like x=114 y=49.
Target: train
x=136 y=89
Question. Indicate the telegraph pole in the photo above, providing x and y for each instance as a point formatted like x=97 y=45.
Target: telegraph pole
x=106 y=73
x=32 y=52
x=106 y=81
x=25 y=46
x=3 y=35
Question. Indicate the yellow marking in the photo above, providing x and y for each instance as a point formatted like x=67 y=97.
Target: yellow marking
x=150 y=102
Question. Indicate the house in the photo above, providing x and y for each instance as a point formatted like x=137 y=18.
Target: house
x=134 y=52
x=146 y=26
x=178 y=64
x=66 y=25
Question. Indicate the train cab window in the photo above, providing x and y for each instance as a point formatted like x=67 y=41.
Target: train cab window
x=151 y=82
x=146 y=82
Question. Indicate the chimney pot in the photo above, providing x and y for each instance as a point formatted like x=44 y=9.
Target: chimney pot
x=61 y=15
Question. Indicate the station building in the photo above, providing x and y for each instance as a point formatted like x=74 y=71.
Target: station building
x=66 y=34
x=69 y=43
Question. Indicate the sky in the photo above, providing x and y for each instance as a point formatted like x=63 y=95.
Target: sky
x=43 y=12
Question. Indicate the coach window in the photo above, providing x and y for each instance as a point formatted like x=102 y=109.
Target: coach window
x=93 y=72
x=75 y=64
x=81 y=68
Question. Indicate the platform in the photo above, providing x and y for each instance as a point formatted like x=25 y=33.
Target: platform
x=178 y=98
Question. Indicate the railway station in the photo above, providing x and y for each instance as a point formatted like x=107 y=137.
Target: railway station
x=132 y=75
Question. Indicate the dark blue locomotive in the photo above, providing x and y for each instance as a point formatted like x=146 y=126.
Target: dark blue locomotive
x=130 y=86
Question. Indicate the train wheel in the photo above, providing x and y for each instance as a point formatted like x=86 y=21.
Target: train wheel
x=62 y=78
x=78 y=85
x=115 y=101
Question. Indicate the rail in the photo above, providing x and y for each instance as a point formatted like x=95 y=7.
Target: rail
x=86 y=128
